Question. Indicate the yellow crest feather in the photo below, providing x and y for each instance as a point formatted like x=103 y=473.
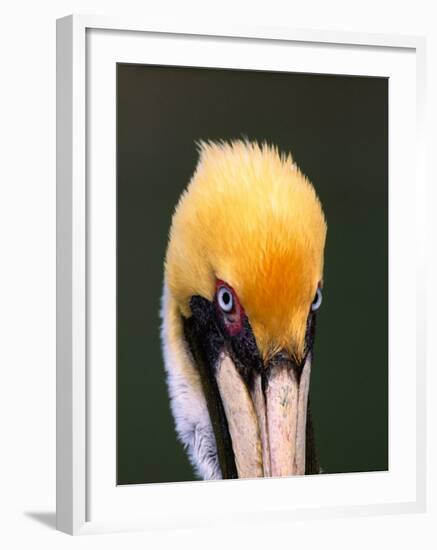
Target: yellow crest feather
x=250 y=218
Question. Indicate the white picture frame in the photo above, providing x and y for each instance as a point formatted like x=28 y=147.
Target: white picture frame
x=87 y=48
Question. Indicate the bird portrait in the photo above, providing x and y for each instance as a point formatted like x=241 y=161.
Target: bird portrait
x=243 y=283
x=251 y=342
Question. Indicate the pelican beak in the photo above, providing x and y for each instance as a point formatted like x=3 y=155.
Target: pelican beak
x=258 y=409
x=267 y=417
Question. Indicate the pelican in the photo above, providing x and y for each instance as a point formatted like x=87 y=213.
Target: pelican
x=243 y=281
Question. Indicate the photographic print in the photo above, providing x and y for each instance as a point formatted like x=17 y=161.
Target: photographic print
x=252 y=274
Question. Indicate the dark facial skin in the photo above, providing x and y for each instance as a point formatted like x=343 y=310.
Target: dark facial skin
x=208 y=331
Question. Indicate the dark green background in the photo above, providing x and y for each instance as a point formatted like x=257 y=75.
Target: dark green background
x=337 y=130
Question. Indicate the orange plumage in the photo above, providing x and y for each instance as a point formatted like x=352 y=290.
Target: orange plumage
x=252 y=219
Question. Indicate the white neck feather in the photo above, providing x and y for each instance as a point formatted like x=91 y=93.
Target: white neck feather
x=187 y=401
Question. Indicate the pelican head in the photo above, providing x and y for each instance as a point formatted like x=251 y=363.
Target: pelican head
x=243 y=282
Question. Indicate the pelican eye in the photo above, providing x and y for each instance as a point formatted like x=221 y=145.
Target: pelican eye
x=317 y=302
x=225 y=299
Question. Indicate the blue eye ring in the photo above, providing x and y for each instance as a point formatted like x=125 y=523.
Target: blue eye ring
x=225 y=299
x=317 y=302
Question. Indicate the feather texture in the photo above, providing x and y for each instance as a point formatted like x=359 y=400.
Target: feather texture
x=250 y=218
x=187 y=401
